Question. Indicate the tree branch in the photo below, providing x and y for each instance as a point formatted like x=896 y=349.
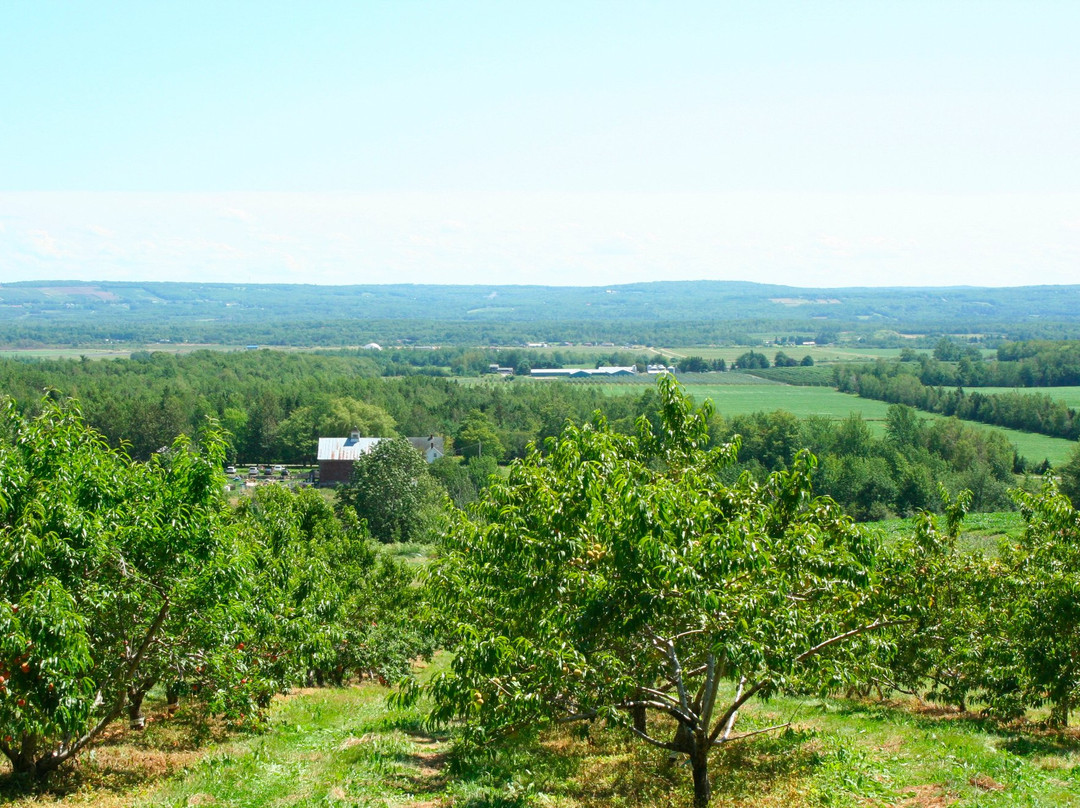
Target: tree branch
x=847 y=635
x=58 y=756
x=708 y=693
x=662 y=744
x=750 y=734
x=735 y=705
x=730 y=723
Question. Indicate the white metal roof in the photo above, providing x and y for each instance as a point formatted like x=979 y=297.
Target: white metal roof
x=345 y=448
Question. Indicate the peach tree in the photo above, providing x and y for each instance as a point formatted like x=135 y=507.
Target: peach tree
x=618 y=577
x=323 y=604
x=108 y=569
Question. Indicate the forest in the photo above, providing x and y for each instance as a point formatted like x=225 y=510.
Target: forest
x=275 y=405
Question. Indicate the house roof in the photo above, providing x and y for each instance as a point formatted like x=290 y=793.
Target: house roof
x=435 y=442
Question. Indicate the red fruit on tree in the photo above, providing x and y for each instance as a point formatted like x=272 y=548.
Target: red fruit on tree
x=25 y=667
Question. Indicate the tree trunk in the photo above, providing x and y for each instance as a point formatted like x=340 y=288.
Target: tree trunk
x=683 y=741
x=23 y=756
x=700 y=762
x=172 y=697
x=136 y=719
x=639 y=715
x=1059 y=713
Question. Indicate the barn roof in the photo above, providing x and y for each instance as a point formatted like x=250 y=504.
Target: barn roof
x=345 y=448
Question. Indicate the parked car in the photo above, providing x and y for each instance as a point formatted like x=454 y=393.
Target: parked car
x=230 y=469
x=278 y=469
x=253 y=471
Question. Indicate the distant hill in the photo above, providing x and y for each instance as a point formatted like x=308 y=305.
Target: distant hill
x=93 y=309
x=671 y=300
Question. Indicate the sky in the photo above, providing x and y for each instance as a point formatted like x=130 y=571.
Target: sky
x=860 y=143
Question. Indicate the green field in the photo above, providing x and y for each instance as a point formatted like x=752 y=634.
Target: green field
x=115 y=353
x=742 y=399
x=1070 y=395
x=981 y=532
x=820 y=353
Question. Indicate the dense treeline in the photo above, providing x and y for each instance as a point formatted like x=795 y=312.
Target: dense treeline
x=901 y=473
x=1033 y=412
x=1038 y=363
x=275 y=405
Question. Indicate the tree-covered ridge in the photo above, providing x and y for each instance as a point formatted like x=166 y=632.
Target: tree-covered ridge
x=665 y=312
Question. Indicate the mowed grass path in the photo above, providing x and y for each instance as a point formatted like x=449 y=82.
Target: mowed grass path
x=742 y=399
x=345 y=747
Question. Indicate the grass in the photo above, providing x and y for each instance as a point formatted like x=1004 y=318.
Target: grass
x=981 y=532
x=338 y=746
x=820 y=353
x=413 y=552
x=346 y=747
x=742 y=399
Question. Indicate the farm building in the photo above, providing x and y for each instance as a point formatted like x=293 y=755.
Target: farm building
x=337 y=455
x=580 y=373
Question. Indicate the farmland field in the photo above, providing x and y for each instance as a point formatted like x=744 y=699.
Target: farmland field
x=823 y=353
x=1069 y=395
x=741 y=399
x=115 y=353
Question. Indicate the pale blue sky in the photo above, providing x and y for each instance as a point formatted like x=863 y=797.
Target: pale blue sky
x=825 y=143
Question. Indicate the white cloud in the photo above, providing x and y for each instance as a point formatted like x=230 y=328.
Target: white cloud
x=44 y=244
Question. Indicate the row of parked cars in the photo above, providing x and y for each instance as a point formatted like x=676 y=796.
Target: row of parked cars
x=254 y=471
